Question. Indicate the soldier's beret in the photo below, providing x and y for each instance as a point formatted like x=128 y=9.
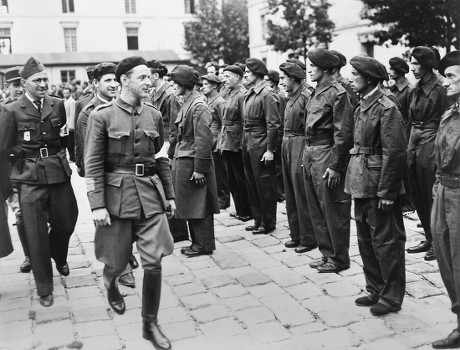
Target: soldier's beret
x=425 y=56
x=293 y=70
x=451 y=59
x=103 y=68
x=323 y=58
x=297 y=62
x=256 y=66
x=32 y=66
x=212 y=78
x=185 y=75
x=341 y=57
x=234 y=69
x=398 y=64
x=127 y=64
x=89 y=72
x=157 y=65
x=369 y=67
x=12 y=74
x=273 y=76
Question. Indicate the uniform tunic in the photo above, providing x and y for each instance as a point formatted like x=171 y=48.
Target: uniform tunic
x=327 y=147
x=402 y=92
x=282 y=100
x=374 y=172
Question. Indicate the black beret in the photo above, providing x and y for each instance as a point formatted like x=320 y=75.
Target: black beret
x=234 y=69
x=241 y=65
x=12 y=74
x=293 y=70
x=297 y=62
x=425 y=56
x=31 y=67
x=342 y=58
x=451 y=59
x=323 y=58
x=273 y=76
x=212 y=78
x=185 y=75
x=256 y=66
x=103 y=68
x=127 y=64
x=157 y=65
x=369 y=67
x=398 y=64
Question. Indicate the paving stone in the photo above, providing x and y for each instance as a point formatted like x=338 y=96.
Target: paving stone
x=83 y=292
x=229 y=291
x=338 y=317
x=252 y=254
x=283 y=276
x=104 y=342
x=180 y=279
x=337 y=338
x=130 y=316
x=80 y=304
x=218 y=281
x=95 y=328
x=263 y=263
x=199 y=300
x=371 y=329
x=282 y=301
x=231 y=263
x=403 y=323
x=54 y=313
x=255 y=315
x=268 y=332
x=168 y=301
x=341 y=289
x=91 y=314
x=175 y=314
x=22 y=343
x=313 y=327
x=320 y=303
x=294 y=316
x=12 y=304
x=253 y=279
x=304 y=291
x=189 y=289
x=15 y=330
x=421 y=289
x=180 y=330
x=60 y=332
x=434 y=315
x=241 y=302
x=321 y=278
x=210 y=313
x=15 y=315
x=266 y=241
x=265 y=290
x=224 y=328
x=384 y=344
x=79 y=281
x=294 y=260
x=130 y=331
x=139 y=344
x=229 y=239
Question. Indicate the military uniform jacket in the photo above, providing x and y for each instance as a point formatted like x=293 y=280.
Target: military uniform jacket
x=81 y=103
x=447 y=151
x=260 y=108
x=167 y=103
x=216 y=105
x=378 y=158
x=402 y=92
x=119 y=134
x=231 y=135
x=23 y=132
x=328 y=106
x=294 y=116
x=354 y=99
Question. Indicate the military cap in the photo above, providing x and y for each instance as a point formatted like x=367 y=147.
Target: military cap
x=157 y=65
x=234 y=69
x=127 y=64
x=297 y=62
x=256 y=66
x=425 y=56
x=341 y=57
x=185 y=75
x=31 y=67
x=398 y=64
x=369 y=67
x=12 y=74
x=212 y=78
x=273 y=76
x=451 y=59
x=103 y=68
x=323 y=58
x=293 y=70
x=241 y=65
x=89 y=72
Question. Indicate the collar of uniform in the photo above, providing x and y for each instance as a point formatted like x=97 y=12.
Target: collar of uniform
x=158 y=92
x=402 y=84
x=371 y=98
x=31 y=99
x=103 y=100
x=212 y=99
x=127 y=107
x=190 y=99
x=429 y=84
x=324 y=85
x=295 y=95
x=259 y=87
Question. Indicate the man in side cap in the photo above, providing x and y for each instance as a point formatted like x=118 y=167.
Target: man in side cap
x=374 y=180
x=324 y=161
x=230 y=139
x=341 y=80
x=12 y=84
x=261 y=123
x=428 y=102
x=130 y=190
x=193 y=169
x=300 y=225
x=446 y=206
x=33 y=128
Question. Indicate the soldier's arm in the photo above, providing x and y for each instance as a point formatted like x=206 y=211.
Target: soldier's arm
x=203 y=138
x=272 y=116
x=80 y=134
x=174 y=111
x=8 y=129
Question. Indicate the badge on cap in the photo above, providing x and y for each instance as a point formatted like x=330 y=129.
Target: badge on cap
x=26 y=135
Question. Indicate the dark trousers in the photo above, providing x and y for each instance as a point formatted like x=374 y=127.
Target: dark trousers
x=13 y=203
x=237 y=181
x=445 y=222
x=178 y=228
x=223 y=190
x=71 y=145
x=279 y=176
x=42 y=204
x=202 y=233
x=300 y=225
x=329 y=207
x=381 y=240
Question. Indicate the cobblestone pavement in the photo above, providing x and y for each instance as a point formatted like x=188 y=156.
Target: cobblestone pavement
x=252 y=293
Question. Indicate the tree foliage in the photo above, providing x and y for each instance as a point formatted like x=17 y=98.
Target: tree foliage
x=415 y=22
x=218 y=32
x=298 y=24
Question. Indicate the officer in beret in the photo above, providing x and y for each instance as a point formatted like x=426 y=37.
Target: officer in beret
x=300 y=225
x=402 y=86
x=229 y=142
x=261 y=123
x=324 y=161
x=446 y=206
x=130 y=190
x=428 y=102
x=374 y=180
x=304 y=68
x=216 y=103
x=33 y=128
x=193 y=169
x=84 y=100
x=341 y=80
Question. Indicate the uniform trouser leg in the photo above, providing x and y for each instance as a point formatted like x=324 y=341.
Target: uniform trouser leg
x=178 y=228
x=300 y=225
x=254 y=203
x=223 y=190
x=202 y=233
x=381 y=239
x=13 y=203
x=446 y=234
x=71 y=145
x=279 y=175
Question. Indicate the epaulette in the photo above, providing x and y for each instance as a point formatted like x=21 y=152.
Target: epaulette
x=104 y=105
x=88 y=105
x=149 y=104
x=386 y=102
x=340 y=88
x=305 y=92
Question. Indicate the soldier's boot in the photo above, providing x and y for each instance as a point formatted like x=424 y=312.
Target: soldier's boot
x=114 y=297
x=151 y=295
x=26 y=265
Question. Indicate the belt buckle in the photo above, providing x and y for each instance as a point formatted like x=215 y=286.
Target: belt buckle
x=139 y=170
x=44 y=152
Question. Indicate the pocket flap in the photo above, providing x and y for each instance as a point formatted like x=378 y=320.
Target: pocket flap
x=113 y=179
x=153 y=134
x=118 y=134
x=374 y=161
x=22 y=126
x=56 y=122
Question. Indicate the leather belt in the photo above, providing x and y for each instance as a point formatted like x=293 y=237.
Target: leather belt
x=136 y=169
x=425 y=125
x=43 y=152
x=365 y=150
x=230 y=122
x=452 y=182
x=290 y=132
x=318 y=142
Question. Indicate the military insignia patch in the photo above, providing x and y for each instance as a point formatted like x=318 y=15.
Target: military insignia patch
x=26 y=135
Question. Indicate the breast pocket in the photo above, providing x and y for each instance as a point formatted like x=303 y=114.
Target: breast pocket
x=27 y=132
x=154 y=142
x=117 y=142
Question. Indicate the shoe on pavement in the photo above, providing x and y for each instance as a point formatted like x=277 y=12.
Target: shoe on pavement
x=192 y=253
x=292 y=244
x=381 y=309
x=451 y=342
x=419 y=248
x=47 y=300
x=183 y=249
x=63 y=270
x=317 y=263
x=244 y=218
x=430 y=254
x=305 y=248
x=263 y=231
x=115 y=299
x=127 y=280
x=367 y=300
x=252 y=227
x=330 y=268
x=26 y=265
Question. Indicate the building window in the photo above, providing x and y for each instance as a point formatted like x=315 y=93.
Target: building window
x=189 y=6
x=5 y=41
x=67 y=6
x=4 y=7
x=130 y=6
x=133 y=38
x=67 y=76
x=70 y=39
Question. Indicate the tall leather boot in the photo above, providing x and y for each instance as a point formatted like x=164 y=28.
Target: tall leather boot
x=151 y=295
